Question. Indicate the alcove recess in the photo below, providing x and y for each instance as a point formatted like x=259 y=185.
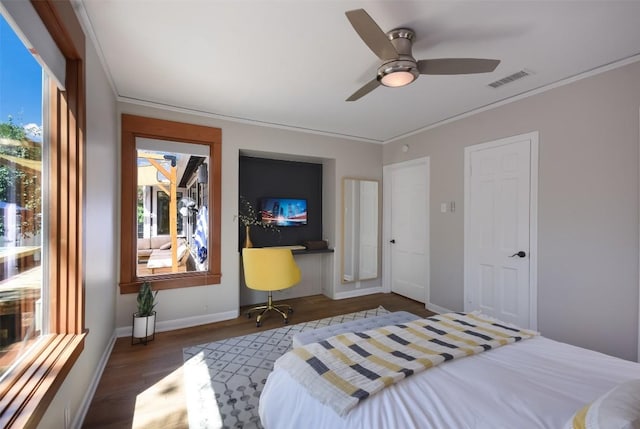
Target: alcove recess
x=261 y=177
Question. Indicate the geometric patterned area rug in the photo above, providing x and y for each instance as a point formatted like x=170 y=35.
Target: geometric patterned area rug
x=224 y=379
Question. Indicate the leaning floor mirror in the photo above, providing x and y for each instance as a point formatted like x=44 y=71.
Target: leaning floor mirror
x=360 y=241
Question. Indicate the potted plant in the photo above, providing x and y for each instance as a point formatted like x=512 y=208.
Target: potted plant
x=144 y=320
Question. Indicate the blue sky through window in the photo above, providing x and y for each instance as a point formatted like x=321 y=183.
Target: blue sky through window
x=20 y=82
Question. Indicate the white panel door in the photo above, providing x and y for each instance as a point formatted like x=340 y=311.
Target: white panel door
x=497 y=238
x=409 y=230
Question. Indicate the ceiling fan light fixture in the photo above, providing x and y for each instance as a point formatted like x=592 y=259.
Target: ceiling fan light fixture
x=397 y=73
x=400 y=68
x=396 y=79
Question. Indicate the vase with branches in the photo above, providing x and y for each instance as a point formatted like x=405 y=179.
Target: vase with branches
x=248 y=216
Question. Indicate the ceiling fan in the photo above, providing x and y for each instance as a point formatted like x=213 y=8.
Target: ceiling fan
x=399 y=68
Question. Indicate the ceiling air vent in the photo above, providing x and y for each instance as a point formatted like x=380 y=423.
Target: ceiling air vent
x=510 y=78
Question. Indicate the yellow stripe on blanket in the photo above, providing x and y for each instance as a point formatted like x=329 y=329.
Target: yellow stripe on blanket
x=344 y=370
x=425 y=350
x=492 y=329
x=331 y=377
x=345 y=359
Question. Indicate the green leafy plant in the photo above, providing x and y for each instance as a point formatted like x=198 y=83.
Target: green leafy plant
x=146 y=300
x=11 y=130
x=20 y=185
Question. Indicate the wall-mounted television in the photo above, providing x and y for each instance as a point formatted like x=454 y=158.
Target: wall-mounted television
x=283 y=211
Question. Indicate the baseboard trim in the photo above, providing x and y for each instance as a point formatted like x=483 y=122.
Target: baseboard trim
x=358 y=292
x=91 y=391
x=187 y=322
x=437 y=308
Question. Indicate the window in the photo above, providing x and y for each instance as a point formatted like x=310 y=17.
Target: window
x=55 y=238
x=21 y=214
x=170 y=211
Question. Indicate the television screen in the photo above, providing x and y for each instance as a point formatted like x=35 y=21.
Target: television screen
x=284 y=211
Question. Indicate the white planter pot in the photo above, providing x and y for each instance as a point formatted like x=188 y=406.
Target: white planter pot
x=144 y=326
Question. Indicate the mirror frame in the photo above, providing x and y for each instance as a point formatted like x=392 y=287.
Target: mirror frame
x=139 y=126
x=342 y=236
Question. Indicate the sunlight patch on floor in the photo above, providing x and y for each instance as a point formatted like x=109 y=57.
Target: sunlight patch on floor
x=200 y=391
x=162 y=405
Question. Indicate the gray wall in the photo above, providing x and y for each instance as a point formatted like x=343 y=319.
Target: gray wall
x=100 y=243
x=587 y=206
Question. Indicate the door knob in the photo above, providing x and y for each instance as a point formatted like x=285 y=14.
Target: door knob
x=392 y=241
x=520 y=254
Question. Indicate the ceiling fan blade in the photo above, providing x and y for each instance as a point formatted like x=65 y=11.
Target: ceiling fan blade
x=457 y=66
x=367 y=88
x=371 y=34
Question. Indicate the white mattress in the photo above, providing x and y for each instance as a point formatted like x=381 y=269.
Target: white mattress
x=536 y=383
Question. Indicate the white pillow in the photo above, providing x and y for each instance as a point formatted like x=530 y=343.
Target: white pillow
x=182 y=250
x=165 y=246
x=619 y=408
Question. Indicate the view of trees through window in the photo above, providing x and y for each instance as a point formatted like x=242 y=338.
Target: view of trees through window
x=21 y=222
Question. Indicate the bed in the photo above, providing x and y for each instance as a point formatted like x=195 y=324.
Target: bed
x=535 y=383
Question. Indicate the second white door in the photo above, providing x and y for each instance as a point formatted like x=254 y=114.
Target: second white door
x=498 y=210
x=407 y=196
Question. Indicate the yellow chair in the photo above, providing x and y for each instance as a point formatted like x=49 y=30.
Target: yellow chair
x=268 y=270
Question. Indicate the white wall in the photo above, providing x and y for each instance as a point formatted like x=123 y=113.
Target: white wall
x=340 y=157
x=588 y=205
x=100 y=245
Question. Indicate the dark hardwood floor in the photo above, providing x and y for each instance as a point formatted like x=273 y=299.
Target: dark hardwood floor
x=141 y=386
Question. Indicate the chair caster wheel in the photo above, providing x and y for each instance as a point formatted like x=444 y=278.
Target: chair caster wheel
x=290 y=311
x=258 y=324
x=286 y=321
x=248 y=315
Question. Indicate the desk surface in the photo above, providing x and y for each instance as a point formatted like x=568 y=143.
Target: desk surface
x=292 y=247
x=300 y=250
x=306 y=252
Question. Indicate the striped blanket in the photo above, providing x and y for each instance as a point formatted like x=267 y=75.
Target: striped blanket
x=342 y=371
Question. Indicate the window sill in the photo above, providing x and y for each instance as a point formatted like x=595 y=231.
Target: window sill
x=26 y=396
x=172 y=281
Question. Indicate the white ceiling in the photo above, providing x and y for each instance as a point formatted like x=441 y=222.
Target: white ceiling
x=292 y=63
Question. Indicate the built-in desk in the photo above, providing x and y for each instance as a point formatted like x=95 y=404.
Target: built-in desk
x=307 y=252
x=297 y=249
x=316 y=276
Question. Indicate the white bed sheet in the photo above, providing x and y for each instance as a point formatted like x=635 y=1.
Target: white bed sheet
x=536 y=383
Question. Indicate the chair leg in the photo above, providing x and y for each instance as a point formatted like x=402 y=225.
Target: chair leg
x=283 y=309
x=254 y=309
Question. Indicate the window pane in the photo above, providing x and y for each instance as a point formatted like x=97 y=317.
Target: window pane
x=164 y=202
x=21 y=214
x=172 y=208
